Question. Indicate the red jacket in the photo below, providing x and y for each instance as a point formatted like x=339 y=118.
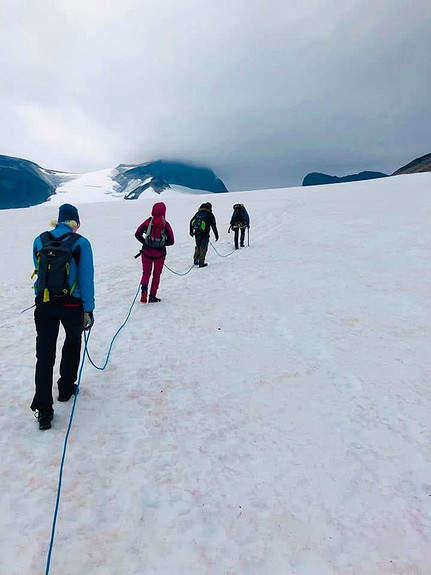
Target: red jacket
x=158 y=216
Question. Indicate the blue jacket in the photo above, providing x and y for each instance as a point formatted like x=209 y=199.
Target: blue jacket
x=240 y=218
x=81 y=273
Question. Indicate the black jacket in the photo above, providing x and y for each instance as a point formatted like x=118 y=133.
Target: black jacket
x=210 y=223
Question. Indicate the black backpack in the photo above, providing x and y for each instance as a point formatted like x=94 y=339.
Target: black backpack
x=151 y=240
x=199 y=222
x=53 y=265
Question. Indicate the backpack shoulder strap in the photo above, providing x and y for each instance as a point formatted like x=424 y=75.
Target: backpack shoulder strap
x=149 y=227
x=69 y=238
x=46 y=237
x=49 y=237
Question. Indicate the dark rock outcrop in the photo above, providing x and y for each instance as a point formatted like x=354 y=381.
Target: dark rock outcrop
x=24 y=183
x=163 y=173
x=315 y=178
x=156 y=183
x=422 y=164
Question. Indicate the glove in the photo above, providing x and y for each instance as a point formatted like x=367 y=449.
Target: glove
x=88 y=320
x=228 y=230
x=216 y=239
x=191 y=234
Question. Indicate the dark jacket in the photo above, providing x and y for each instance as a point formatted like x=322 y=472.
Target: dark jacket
x=210 y=224
x=240 y=218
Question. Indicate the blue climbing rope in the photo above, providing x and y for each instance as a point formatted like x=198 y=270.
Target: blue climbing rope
x=113 y=339
x=179 y=273
x=221 y=255
x=69 y=427
x=63 y=458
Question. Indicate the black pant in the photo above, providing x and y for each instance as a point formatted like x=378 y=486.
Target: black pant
x=47 y=317
x=200 y=249
x=235 y=231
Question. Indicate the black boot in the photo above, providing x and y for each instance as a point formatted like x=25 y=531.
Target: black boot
x=45 y=417
x=153 y=299
x=144 y=293
x=66 y=392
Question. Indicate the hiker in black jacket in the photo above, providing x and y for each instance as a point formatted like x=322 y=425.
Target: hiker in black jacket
x=239 y=221
x=200 y=226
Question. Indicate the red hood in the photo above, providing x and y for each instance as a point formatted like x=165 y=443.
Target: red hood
x=159 y=209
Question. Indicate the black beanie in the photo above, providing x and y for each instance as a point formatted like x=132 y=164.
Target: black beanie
x=68 y=213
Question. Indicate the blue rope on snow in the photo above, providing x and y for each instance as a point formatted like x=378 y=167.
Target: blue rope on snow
x=221 y=255
x=69 y=427
x=113 y=339
x=63 y=458
x=178 y=273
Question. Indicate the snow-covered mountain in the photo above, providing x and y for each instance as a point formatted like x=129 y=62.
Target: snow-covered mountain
x=270 y=416
x=101 y=186
x=24 y=183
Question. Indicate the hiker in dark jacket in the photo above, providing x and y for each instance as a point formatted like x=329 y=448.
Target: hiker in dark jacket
x=74 y=310
x=239 y=221
x=200 y=226
x=155 y=234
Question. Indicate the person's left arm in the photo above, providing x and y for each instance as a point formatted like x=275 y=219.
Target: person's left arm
x=86 y=274
x=214 y=226
x=170 y=240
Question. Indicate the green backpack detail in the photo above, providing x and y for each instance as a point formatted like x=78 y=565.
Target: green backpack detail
x=199 y=223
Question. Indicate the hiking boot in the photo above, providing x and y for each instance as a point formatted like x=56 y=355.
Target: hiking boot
x=66 y=394
x=44 y=418
x=203 y=265
x=144 y=289
x=196 y=262
x=241 y=245
x=153 y=299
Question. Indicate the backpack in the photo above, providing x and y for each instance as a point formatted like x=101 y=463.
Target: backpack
x=53 y=265
x=151 y=240
x=199 y=222
x=238 y=217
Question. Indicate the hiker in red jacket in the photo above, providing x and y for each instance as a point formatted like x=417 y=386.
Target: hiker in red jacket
x=154 y=234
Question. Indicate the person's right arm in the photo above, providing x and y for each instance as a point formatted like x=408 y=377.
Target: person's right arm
x=139 y=234
x=191 y=226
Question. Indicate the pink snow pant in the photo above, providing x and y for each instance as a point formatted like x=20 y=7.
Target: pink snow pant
x=149 y=265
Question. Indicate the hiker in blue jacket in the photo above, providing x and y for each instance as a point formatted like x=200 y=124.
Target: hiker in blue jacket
x=239 y=221
x=73 y=309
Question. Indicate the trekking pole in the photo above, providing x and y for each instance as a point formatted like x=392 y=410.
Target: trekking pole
x=248 y=236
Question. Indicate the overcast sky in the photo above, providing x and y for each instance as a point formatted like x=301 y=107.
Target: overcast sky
x=261 y=91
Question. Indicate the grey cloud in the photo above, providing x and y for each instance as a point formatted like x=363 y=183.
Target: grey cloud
x=259 y=91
